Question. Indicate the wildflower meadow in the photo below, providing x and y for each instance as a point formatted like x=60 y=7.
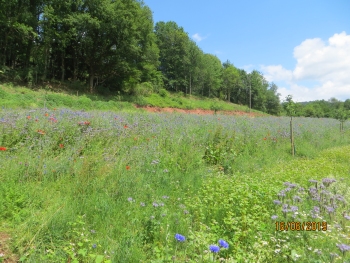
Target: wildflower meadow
x=103 y=186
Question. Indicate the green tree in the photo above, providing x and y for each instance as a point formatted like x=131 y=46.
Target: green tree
x=347 y=104
x=212 y=71
x=173 y=46
x=273 y=105
x=230 y=79
x=342 y=115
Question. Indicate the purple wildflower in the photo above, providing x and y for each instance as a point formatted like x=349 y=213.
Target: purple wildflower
x=347 y=217
x=142 y=204
x=180 y=238
x=316 y=209
x=293 y=208
x=277 y=202
x=223 y=243
x=330 y=209
x=214 y=248
x=340 y=198
x=313 y=181
x=328 y=181
x=290 y=185
x=282 y=194
x=274 y=217
x=343 y=247
x=130 y=199
x=155 y=204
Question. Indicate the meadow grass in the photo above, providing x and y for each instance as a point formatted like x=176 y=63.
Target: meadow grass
x=104 y=186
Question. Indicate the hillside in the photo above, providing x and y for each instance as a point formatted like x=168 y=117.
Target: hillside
x=63 y=96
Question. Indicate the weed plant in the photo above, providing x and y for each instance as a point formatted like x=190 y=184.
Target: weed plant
x=94 y=186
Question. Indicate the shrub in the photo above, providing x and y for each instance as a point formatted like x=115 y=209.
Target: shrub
x=163 y=92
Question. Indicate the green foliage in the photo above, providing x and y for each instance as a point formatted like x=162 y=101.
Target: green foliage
x=80 y=247
x=163 y=93
x=221 y=149
x=290 y=106
x=215 y=107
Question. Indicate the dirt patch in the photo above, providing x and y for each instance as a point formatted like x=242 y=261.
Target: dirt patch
x=5 y=252
x=199 y=111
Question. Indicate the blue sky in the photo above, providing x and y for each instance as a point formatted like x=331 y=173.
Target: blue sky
x=302 y=46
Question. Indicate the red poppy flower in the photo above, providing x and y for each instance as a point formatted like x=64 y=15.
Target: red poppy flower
x=127 y=167
x=28 y=117
x=3 y=148
x=265 y=139
x=54 y=108
x=86 y=123
x=125 y=126
x=61 y=145
x=46 y=114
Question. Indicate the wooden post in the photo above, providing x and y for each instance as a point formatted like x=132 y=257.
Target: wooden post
x=291 y=136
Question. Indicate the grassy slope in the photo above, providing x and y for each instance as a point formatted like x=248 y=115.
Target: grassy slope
x=22 y=97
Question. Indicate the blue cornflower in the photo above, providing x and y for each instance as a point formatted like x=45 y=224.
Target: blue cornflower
x=94 y=246
x=223 y=243
x=214 y=248
x=180 y=238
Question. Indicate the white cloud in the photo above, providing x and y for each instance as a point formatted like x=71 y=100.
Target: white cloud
x=324 y=63
x=197 y=37
x=276 y=73
x=248 y=68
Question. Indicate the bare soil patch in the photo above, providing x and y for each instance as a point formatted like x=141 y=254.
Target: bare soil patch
x=5 y=251
x=199 y=111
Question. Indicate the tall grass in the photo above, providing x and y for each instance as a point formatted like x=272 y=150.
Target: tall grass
x=96 y=186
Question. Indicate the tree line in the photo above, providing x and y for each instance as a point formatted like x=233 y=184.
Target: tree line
x=115 y=46
x=331 y=108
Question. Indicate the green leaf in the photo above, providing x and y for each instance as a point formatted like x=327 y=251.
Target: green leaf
x=99 y=259
x=82 y=252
